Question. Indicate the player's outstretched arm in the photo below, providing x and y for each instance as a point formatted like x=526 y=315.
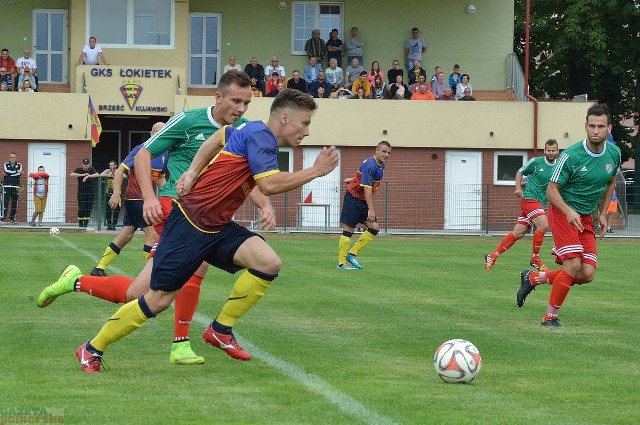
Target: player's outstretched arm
x=603 y=206
x=208 y=150
x=555 y=199
x=281 y=182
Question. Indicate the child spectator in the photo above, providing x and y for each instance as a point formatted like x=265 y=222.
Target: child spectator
x=40 y=192
x=26 y=86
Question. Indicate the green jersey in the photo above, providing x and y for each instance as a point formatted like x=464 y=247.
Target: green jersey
x=539 y=171
x=182 y=136
x=583 y=175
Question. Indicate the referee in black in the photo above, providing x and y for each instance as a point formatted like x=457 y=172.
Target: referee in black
x=11 y=186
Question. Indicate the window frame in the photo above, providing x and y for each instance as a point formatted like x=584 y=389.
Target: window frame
x=316 y=23
x=130 y=29
x=290 y=152
x=496 y=158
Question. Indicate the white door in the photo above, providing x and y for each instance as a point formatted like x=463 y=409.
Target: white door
x=53 y=156
x=50 y=49
x=463 y=190
x=323 y=210
x=204 y=49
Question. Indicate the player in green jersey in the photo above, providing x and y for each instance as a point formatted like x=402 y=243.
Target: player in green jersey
x=532 y=203
x=583 y=182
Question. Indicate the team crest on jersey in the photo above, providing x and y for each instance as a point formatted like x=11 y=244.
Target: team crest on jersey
x=608 y=167
x=131 y=91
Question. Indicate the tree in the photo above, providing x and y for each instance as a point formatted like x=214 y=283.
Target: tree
x=586 y=47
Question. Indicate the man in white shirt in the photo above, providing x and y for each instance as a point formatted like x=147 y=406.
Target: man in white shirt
x=28 y=64
x=274 y=67
x=232 y=65
x=91 y=53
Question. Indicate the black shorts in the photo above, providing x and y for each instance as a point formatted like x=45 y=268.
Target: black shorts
x=133 y=214
x=354 y=210
x=182 y=248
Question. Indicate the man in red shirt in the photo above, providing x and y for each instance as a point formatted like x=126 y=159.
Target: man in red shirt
x=7 y=62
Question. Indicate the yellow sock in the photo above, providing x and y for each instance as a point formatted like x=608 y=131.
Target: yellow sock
x=247 y=291
x=365 y=238
x=146 y=249
x=127 y=319
x=343 y=248
x=109 y=256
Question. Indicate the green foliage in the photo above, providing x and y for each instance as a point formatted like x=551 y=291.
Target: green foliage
x=585 y=46
x=331 y=346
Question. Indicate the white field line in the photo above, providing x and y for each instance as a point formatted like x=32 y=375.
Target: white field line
x=343 y=401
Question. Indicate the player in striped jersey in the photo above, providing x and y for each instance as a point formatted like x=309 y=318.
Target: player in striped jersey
x=532 y=203
x=583 y=182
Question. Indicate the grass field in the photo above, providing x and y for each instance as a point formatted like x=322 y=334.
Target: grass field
x=330 y=346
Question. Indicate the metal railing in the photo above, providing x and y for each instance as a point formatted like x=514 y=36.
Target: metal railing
x=515 y=77
x=401 y=209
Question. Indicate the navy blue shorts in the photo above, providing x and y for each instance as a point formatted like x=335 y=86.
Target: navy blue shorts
x=182 y=248
x=354 y=210
x=133 y=214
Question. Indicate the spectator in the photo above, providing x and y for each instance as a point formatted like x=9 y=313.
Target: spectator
x=378 y=88
x=255 y=92
x=394 y=71
x=86 y=190
x=111 y=214
x=311 y=70
x=26 y=86
x=423 y=93
x=440 y=85
x=353 y=72
x=321 y=81
x=343 y=93
x=316 y=47
x=434 y=77
x=360 y=94
x=272 y=83
x=91 y=53
x=334 y=49
x=362 y=83
x=415 y=71
x=399 y=90
x=11 y=185
x=375 y=70
x=278 y=89
x=462 y=86
x=27 y=67
x=334 y=74
x=322 y=93
x=255 y=71
x=233 y=64
x=3 y=86
x=40 y=192
x=448 y=95
x=9 y=65
x=274 y=67
x=297 y=83
x=5 y=77
x=454 y=77
x=467 y=95
x=354 y=46
x=421 y=80
x=414 y=47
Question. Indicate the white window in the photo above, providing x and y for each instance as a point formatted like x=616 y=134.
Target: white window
x=204 y=49
x=506 y=165
x=131 y=23
x=285 y=159
x=309 y=15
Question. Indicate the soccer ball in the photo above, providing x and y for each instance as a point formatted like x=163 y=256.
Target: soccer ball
x=54 y=230
x=457 y=361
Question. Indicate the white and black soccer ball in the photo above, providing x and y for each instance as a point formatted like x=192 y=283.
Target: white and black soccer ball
x=54 y=230
x=457 y=361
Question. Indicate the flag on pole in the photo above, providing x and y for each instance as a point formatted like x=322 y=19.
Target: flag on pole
x=96 y=126
x=185 y=105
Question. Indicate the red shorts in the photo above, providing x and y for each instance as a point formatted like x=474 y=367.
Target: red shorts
x=529 y=209
x=571 y=243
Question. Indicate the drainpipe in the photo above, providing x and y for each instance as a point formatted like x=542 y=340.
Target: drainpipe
x=526 y=79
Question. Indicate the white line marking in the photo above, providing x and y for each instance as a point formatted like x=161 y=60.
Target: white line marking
x=346 y=403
